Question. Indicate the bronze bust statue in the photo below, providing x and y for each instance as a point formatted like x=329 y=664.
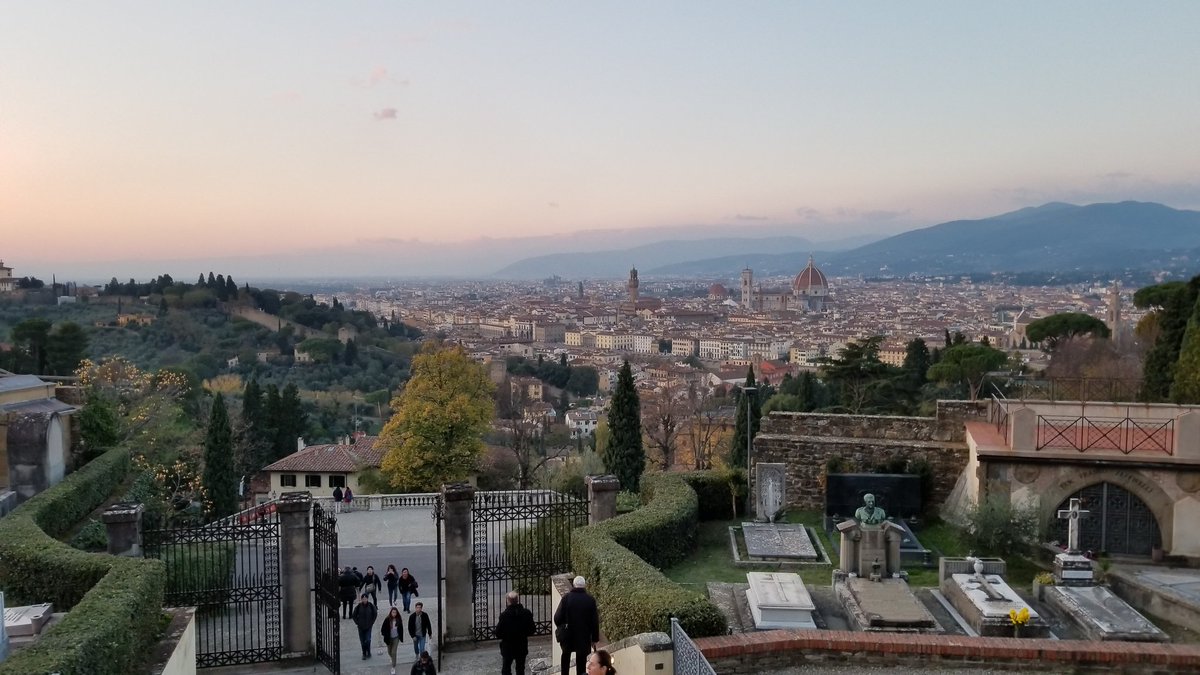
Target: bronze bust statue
x=868 y=513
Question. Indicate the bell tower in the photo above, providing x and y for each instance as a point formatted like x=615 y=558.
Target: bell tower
x=632 y=287
x=747 y=287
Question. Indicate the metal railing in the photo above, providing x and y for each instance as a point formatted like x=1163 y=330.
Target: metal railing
x=1123 y=434
x=687 y=657
x=998 y=414
x=1112 y=390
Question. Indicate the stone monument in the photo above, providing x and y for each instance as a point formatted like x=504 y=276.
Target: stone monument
x=870 y=583
x=770 y=481
x=3 y=633
x=26 y=621
x=1071 y=567
x=779 y=600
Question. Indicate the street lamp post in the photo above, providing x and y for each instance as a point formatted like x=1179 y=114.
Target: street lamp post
x=747 y=392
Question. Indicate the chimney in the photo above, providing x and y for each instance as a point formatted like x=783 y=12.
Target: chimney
x=299 y=443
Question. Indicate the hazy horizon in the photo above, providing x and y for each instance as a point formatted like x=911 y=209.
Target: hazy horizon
x=287 y=136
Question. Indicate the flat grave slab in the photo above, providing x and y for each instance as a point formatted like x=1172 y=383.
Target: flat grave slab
x=887 y=605
x=985 y=601
x=1101 y=615
x=779 y=600
x=764 y=540
x=26 y=621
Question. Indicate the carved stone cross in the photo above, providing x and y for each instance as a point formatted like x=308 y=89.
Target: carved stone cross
x=1072 y=515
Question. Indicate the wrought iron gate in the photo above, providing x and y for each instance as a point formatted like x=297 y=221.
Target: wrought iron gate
x=1118 y=522
x=521 y=539
x=326 y=606
x=228 y=571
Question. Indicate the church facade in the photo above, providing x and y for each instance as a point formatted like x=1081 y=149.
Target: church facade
x=809 y=292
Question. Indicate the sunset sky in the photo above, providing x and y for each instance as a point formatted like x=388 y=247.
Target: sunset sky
x=172 y=130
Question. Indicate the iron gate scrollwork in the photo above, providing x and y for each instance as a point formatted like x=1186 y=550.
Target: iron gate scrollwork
x=325 y=570
x=228 y=571
x=521 y=539
x=687 y=659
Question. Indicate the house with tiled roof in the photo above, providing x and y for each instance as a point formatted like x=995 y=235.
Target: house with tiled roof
x=321 y=468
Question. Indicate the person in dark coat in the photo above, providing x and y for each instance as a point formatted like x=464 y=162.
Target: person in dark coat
x=424 y=665
x=407 y=585
x=392 y=630
x=578 y=617
x=347 y=589
x=513 y=630
x=419 y=628
x=391 y=578
x=371 y=585
x=337 y=500
x=364 y=618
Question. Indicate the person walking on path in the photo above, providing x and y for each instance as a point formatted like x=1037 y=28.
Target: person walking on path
x=347 y=583
x=407 y=585
x=419 y=628
x=337 y=500
x=577 y=626
x=392 y=631
x=424 y=665
x=364 y=618
x=391 y=578
x=600 y=663
x=348 y=497
x=371 y=585
x=513 y=630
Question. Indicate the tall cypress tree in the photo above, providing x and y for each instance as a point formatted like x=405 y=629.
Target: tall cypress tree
x=220 y=479
x=272 y=405
x=292 y=421
x=624 y=456
x=737 y=455
x=1185 y=389
x=254 y=437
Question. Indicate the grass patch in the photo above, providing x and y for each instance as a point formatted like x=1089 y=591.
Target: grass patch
x=713 y=561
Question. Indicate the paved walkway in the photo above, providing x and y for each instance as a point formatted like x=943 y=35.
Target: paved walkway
x=394 y=527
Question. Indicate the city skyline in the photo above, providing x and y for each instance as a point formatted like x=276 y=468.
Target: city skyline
x=140 y=133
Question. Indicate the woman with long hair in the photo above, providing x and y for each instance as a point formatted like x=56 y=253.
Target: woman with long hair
x=393 y=634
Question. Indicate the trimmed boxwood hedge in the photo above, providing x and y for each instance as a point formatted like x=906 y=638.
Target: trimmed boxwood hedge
x=713 y=490
x=114 y=603
x=619 y=559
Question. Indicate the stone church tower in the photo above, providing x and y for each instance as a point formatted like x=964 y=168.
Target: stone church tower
x=747 y=287
x=632 y=287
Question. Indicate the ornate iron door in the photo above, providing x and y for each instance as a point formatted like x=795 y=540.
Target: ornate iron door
x=325 y=586
x=1118 y=522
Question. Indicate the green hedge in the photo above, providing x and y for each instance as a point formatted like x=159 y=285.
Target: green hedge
x=115 y=603
x=526 y=549
x=715 y=493
x=635 y=596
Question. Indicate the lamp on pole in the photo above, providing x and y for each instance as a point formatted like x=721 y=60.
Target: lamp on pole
x=747 y=392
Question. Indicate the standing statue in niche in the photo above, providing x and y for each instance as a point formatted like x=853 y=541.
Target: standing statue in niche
x=868 y=513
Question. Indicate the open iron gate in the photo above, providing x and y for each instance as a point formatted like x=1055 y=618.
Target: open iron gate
x=325 y=570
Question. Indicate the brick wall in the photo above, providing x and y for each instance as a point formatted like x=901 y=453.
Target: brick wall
x=747 y=653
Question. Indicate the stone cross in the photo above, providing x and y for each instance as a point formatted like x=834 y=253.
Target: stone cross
x=1071 y=515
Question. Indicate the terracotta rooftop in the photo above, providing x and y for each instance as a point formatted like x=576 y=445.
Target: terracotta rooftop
x=332 y=457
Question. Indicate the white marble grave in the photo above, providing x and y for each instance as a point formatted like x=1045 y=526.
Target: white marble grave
x=985 y=601
x=779 y=600
x=26 y=621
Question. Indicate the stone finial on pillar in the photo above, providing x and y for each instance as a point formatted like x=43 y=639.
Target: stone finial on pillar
x=602 y=497
x=295 y=571
x=124 y=523
x=459 y=611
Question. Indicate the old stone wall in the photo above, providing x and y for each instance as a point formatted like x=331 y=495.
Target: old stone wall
x=806 y=442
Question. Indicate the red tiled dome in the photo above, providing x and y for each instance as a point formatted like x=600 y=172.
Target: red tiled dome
x=810 y=278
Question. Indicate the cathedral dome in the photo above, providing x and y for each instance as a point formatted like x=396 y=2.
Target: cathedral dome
x=717 y=291
x=810 y=280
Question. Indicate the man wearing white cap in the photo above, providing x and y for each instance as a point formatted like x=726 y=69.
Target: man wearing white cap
x=577 y=626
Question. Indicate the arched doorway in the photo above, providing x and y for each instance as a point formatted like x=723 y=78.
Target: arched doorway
x=1117 y=523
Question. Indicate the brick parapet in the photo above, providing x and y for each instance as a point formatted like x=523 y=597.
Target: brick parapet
x=768 y=650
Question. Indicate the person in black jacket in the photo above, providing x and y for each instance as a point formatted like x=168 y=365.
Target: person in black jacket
x=424 y=665
x=392 y=630
x=371 y=585
x=578 y=619
x=391 y=578
x=513 y=630
x=419 y=629
x=364 y=618
x=407 y=585
x=347 y=589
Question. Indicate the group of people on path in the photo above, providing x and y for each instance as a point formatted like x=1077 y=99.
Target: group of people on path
x=364 y=613
x=342 y=497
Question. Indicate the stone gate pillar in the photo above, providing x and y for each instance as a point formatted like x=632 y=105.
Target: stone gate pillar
x=458 y=611
x=295 y=571
x=123 y=521
x=602 y=497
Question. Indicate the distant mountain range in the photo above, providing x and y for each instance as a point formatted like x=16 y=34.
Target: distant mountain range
x=1055 y=237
